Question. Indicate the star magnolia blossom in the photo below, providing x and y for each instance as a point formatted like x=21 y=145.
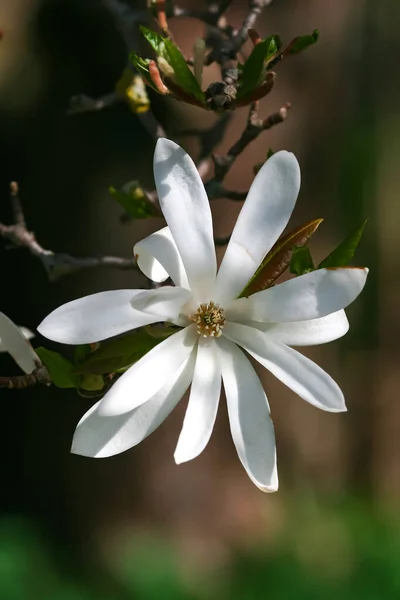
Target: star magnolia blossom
x=216 y=326
x=14 y=340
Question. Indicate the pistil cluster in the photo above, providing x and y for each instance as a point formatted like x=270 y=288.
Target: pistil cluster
x=210 y=319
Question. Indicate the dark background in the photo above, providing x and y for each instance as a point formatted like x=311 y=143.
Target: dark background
x=136 y=525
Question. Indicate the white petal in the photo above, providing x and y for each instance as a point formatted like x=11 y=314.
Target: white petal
x=307 y=333
x=15 y=343
x=146 y=377
x=100 y=436
x=165 y=302
x=94 y=318
x=311 y=296
x=296 y=371
x=186 y=209
x=158 y=258
x=27 y=333
x=264 y=216
x=249 y=417
x=203 y=403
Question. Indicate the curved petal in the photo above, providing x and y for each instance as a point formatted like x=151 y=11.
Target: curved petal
x=203 y=403
x=249 y=417
x=311 y=296
x=158 y=258
x=146 y=377
x=15 y=343
x=264 y=216
x=27 y=333
x=306 y=333
x=296 y=371
x=186 y=209
x=165 y=302
x=98 y=436
x=94 y=318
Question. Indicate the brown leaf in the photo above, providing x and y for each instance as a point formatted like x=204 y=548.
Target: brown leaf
x=278 y=258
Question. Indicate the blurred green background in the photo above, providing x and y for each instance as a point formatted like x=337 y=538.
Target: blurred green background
x=136 y=525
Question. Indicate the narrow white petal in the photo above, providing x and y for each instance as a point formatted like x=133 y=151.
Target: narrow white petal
x=27 y=333
x=15 y=343
x=146 y=377
x=296 y=371
x=165 y=302
x=249 y=417
x=311 y=296
x=264 y=216
x=203 y=403
x=98 y=436
x=186 y=209
x=158 y=258
x=94 y=318
x=306 y=333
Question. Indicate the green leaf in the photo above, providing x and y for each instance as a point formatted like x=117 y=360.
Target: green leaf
x=142 y=67
x=117 y=354
x=254 y=68
x=167 y=50
x=279 y=257
x=92 y=383
x=156 y=41
x=61 y=370
x=81 y=352
x=134 y=201
x=302 y=42
x=342 y=255
x=301 y=261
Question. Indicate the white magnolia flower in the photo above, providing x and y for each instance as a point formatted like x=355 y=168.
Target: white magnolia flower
x=14 y=340
x=216 y=327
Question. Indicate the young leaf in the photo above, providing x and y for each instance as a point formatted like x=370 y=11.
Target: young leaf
x=61 y=370
x=156 y=41
x=92 y=383
x=254 y=68
x=134 y=201
x=301 y=261
x=301 y=43
x=278 y=258
x=116 y=354
x=142 y=67
x=183 y=75
x=167 y=50
x=342 y=255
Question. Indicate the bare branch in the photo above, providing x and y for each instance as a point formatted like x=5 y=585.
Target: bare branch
x=56 y=264
x=254 y=127
x=82 y=103
x=21 y=382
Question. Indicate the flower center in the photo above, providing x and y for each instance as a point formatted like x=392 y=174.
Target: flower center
x=210 y=320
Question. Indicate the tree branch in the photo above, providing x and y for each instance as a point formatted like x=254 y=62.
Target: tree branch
x=254 y=127
x=21 y=382
x=56 y=264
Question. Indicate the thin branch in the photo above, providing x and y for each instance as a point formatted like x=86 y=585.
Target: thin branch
x=56 y=264
x=82 y=103
x=21 y=382
x=211 y=16
x=255 y=9
x=254 y=127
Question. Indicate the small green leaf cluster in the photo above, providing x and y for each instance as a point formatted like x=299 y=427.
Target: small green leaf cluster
x=252 y=80
x=291 y=251
x=134 y=201
x=94 y=366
